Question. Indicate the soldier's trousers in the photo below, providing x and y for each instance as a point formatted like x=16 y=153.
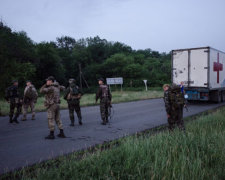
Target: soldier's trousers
x=14 y=106
x=176 y=118
x=25 y=109
x=74 y=106
x=54 y=117
x=104 y=104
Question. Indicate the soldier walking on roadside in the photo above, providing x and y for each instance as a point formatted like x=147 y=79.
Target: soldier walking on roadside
x=13 y=97
x=52 y=100
x=73 y=95
x=29 y=100
x=105 y=100
x=174 y=103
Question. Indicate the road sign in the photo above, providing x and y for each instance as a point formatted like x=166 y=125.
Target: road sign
x=145 y=81
x=111 y=81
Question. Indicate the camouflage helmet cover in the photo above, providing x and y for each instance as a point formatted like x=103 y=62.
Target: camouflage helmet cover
x=71 y=80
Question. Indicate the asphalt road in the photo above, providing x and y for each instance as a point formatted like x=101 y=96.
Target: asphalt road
x=24 y=144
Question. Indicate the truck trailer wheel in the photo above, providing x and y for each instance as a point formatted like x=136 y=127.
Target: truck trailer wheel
x=215 y=96
x=222 y=96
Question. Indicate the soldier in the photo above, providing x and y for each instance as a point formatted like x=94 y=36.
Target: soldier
x=73 y=95
x=29 y=100
x=174 y=102
x=13 y=97
x=52 y=100
x=105 y=100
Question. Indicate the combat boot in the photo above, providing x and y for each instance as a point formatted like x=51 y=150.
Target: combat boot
x=72 y=121
x=103 y=122
x=15 y=120
x=33 y=117
x=80 y=121
x=50 y=136
x=61 y=134
x=107 y=120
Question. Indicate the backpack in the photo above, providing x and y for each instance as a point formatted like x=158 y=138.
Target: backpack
x=30 y=93
x=74 y=94
x=176 y=96
x=105 y=90
x=74 y=91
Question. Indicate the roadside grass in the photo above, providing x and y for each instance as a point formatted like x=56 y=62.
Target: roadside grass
x=197 y=154
x=89 y=99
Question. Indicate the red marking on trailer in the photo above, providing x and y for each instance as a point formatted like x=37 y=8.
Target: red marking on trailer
x=217 y=67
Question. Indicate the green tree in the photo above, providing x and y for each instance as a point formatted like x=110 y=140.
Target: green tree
x=17 y=57
x=49 y=63
x=65 y=46
x=115 y=65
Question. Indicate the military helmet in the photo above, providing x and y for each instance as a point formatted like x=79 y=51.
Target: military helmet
x=50 y=78
x=101 y=79
x=71 y=80
x=166 y=85
x=28 y=81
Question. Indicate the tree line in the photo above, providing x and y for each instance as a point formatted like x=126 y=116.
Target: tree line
x=22 y=59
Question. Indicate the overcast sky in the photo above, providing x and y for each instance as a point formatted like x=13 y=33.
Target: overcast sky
x=161 y=25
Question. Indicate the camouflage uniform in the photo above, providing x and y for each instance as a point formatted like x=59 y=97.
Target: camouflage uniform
x=29 y=100
x=52 y=101
x=13 y=96
x=105 y=100
x=175 y=112
x=73 y=102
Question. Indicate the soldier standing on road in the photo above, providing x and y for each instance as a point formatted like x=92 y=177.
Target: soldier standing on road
x=73 y=95
x=13 y=97
x=174 y=103
x=29 y=100
x=105 y=100
x=52 y=100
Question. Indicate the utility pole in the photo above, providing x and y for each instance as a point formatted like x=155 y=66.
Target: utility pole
x=82 y=77
x=80 y=74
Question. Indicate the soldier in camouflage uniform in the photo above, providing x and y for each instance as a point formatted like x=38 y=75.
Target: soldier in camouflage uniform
x=105 y=100
x=13 y=97
x=73 y=95
x=174 y=108
x=29 y=100
x=52 y=100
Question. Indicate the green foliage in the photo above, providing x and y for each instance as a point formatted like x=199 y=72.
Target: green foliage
x=17 y=57
x=23 y=59
x=49 y=63
x=114 y=65
x=133 y=71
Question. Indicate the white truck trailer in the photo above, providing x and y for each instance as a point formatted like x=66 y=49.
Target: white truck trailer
x=203 y=72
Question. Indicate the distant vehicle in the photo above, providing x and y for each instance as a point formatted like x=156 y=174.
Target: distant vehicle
x=202 y=71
